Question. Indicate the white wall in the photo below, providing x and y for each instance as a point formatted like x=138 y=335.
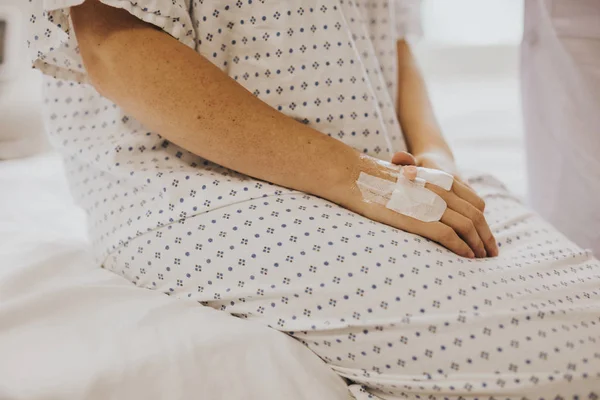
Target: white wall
x=473 y=22
x=470 y=57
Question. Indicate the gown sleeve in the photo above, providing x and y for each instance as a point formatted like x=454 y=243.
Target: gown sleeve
x=407 y=15
x=51 y=40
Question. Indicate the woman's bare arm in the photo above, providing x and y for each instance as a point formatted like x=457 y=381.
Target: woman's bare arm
x=176 y=92
x=192 y=103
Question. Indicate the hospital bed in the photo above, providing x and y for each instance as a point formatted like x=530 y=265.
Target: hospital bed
x=69 y=330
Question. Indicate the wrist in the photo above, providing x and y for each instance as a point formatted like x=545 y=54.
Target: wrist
x=437 y=160
x=345 y=191
x=435 y=151
x=427 y=138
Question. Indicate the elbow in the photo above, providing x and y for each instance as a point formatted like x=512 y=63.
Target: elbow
x=103 y=60
x=107 y=61
x=97 y=72
x=99 y=31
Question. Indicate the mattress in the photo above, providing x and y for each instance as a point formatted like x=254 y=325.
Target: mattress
x=69 y=330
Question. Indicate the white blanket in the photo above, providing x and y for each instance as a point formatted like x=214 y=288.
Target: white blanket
x=72 y=331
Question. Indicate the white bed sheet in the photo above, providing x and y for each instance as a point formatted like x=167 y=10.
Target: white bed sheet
x=72 y=331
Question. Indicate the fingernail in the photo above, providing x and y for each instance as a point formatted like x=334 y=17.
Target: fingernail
x=471 y=254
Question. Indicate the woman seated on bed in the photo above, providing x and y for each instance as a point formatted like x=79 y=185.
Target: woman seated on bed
x=216 y=147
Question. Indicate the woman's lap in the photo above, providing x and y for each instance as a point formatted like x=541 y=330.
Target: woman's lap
x=384 y=307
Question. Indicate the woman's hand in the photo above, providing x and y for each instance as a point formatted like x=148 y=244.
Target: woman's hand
x=462 y=228
x=465 y=207
x=464 y=216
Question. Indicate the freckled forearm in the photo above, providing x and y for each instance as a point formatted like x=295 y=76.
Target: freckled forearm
x=176 y=92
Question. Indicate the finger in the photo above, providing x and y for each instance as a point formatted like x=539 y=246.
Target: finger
x=403 y=158
x=468 y=194
x=466 y=209
x=466 y=230
x=438 y=232
x=435 y=231
x=464 y=183
x=447 y=237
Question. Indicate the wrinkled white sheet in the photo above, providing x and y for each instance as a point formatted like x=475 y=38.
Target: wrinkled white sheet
x=72 y=331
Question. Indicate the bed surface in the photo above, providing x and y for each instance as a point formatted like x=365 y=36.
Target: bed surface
x=72 y=331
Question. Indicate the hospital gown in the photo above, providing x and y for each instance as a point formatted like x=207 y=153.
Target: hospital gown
x=396 y=314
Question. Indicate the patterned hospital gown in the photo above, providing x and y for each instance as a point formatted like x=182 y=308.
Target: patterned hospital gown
x=396 y=314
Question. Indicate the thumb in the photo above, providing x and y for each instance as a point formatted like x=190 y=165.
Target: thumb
x=403 y=158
